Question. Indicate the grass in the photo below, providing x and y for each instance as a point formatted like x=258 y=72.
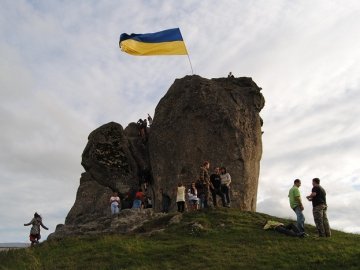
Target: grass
x=226 y=239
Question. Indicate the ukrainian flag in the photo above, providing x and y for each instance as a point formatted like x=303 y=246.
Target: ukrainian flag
x=167 y=42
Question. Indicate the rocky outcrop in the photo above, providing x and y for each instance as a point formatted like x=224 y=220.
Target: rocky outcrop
x=214 y=120
x=114 y=160
x=128 y=221
x=198 y=119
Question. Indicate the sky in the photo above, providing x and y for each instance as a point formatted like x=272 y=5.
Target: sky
x=63 y=75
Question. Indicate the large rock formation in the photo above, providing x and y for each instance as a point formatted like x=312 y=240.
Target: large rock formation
x=215 y=120
x=198 y=119
x=114 y=160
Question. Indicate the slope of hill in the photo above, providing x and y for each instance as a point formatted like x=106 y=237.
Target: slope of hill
x=212 y=239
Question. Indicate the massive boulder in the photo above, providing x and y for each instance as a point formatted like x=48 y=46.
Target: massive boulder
x=114 y=160
x=198 y=119
x=213 y=120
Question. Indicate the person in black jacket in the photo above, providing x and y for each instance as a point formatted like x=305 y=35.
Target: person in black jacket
x=318 y=199
x=215 y=189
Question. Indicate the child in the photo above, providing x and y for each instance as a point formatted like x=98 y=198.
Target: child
x=36 y=222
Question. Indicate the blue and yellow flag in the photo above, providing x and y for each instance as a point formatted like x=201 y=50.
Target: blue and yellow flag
x=167 y=42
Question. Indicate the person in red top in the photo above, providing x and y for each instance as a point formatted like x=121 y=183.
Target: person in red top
x=139 y=199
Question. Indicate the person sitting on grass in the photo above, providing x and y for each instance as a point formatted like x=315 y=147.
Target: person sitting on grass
x=36 y=222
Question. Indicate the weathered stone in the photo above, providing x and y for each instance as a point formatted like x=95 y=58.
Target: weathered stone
x=113 y=160
x=215 y=120
x=176 y=219
x=128 y=221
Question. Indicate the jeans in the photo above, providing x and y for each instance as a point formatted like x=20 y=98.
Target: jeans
x=290 y=230
x=203 y=201
x=114 y=209
x=300 y=219
x=215 y=192
x=226 y=190
x=137 y=203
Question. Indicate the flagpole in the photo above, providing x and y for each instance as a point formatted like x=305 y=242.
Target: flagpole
x=192 y=71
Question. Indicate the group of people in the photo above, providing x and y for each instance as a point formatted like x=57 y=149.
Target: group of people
x=142 y=125
x=198 y=193
x=318 y=199
x=141 y=200
x=218 y=184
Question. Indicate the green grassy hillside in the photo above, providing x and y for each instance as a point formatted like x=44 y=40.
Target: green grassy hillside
x=220 y=239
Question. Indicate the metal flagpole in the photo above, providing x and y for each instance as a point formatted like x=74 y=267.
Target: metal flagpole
x=192 y=71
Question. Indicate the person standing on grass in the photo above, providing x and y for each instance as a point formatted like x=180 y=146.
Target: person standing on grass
x=318 y=199
x=115 y=203
x=204 y=182
x=225 y=185
x=215 y=180
x=36 y=222
x=296 y=204
x=180 y=197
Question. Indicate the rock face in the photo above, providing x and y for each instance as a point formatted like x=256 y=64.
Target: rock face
x=208 y=120
x=114 y=160
x=128 y=221
x=198 y=119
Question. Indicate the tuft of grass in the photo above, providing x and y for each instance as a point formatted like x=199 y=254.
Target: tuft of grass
x=207 y=239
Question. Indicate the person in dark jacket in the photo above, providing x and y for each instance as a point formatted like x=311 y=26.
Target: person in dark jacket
x=165 y=201
x=215 y=180
x=318 y=199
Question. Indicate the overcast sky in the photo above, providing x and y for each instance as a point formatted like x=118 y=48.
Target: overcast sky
x=62 y=75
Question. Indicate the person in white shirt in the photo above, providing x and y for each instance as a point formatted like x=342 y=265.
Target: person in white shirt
x=225 y=184
x=115 y=203
x=180 y=198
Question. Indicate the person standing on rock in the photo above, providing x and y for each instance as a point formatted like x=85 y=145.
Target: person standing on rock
x=296 y=204
x=215 y=180
x=230 y=75
x=225 y=185
x=165 y=201
x=150 y=120
x=180 y=198
x=139 y=199
x=193 y=197
x=140 y=125
x=204 y=179
x=36 y=222
x=318 y=199
x=115 y=204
